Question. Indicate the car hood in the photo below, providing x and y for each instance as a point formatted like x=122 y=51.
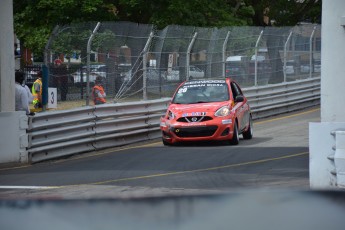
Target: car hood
x=199 y=107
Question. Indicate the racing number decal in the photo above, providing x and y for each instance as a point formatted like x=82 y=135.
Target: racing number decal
x=52 y=97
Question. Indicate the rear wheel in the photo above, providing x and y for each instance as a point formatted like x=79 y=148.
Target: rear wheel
x=249 y=133
x=235 y=136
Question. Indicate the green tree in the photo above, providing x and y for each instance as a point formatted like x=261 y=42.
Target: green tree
x=203 y=13
x=284 y=12
x=34 y=20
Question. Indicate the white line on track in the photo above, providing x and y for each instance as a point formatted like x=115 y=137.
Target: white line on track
x=28 y=187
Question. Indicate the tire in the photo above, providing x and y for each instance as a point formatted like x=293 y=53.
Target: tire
x=249 y=133
x=235 y=137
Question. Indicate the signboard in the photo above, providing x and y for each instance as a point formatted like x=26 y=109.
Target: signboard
x=52 y=98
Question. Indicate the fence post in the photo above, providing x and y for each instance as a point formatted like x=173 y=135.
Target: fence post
x=46 y=68
x=188 y=54
x=45 y=82
x=256 y=57
x=47 y=49
x=145 y=53
x=285 y=55
x=224 y=53
x=88 y=50
x=311 y=66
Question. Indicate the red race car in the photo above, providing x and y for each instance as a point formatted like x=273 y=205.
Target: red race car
x=207 y=110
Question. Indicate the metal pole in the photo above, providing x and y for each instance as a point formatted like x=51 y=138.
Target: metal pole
x=188 y=55
x=7 y=63
x=285 y=54
x=224 y=53
x=46 y=49
x=311 y=67
x=45 y=69
x=145 y=53
x=88 y=51
x=256 y=58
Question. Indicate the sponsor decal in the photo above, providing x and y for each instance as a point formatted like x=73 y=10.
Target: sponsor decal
x=226 y=122
x=215 y=85
x=185 y=87
x=205 y=82
x=194 y=124
x=194 y=114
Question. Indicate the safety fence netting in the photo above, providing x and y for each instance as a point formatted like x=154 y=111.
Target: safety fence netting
x=138 y=61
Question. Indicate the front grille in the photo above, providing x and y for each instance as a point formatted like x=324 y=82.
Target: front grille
x=196 y=118
x=200 y=131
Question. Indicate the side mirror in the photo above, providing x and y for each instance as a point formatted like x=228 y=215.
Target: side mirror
x=239 y=98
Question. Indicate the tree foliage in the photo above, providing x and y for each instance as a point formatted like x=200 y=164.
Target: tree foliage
x=34 y=20
x=180 y=12
x=285 y=12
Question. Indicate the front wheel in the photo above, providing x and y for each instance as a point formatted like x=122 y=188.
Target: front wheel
x=235 y=136
x=249 y=133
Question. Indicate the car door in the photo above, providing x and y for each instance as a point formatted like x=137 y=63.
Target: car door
x=241 y=107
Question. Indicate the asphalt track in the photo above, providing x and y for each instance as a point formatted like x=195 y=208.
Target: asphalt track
x=277 y=157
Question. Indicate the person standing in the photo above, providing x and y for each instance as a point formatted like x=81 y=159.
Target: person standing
x=37 y=91
x=21 y=94
x=98 y=94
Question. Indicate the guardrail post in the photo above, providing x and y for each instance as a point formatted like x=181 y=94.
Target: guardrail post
x=256 y=58
x=145 y=53
x=224 y=53
x=88 y=63
x=188 y=54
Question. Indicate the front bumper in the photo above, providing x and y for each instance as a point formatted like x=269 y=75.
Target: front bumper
x=216 y=130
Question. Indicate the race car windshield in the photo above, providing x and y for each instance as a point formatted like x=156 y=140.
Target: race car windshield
x=202 y=92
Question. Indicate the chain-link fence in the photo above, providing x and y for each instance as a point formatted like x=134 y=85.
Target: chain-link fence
x=137 y=61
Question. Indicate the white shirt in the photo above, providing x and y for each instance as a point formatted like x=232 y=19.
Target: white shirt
x=22 y=102
x=30 y=97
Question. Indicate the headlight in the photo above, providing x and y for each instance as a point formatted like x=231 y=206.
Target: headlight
x=223 y=111
x=170 y=115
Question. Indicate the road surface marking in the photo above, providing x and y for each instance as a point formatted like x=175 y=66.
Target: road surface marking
x=201 y=170
x=27 y=187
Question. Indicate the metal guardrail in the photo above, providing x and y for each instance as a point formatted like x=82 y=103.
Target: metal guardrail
x=63 y=133
x=270 y=100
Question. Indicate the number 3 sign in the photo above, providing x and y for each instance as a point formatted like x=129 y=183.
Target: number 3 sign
x=52 y=98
